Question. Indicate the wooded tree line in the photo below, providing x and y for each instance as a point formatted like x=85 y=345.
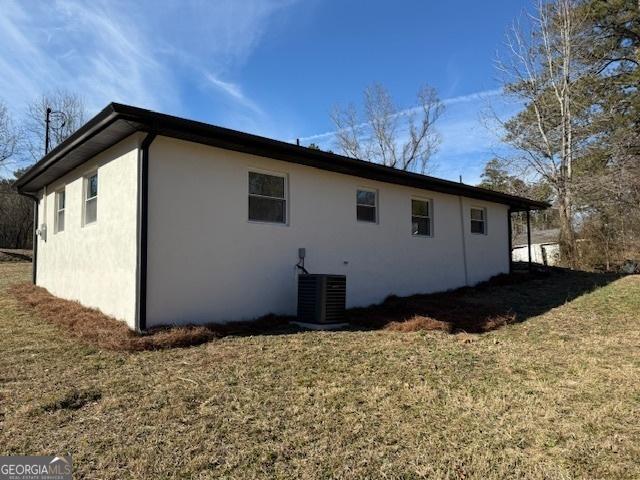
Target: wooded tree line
x=16 y=217
x=22 y=143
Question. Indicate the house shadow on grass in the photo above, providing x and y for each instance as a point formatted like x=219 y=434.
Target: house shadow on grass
x=503 y=300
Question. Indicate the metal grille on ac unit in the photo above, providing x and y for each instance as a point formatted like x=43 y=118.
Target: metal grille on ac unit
x=321 y=298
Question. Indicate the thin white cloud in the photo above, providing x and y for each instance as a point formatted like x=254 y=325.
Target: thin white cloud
x=233 y=90
x=89 y=48
x=473 y=97
x=132 y=52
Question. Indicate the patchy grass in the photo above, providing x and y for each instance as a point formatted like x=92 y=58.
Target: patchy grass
x=553 y=395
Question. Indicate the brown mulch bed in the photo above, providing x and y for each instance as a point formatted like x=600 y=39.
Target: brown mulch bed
x=449 y=313
x=102 y=331
x=454 y=311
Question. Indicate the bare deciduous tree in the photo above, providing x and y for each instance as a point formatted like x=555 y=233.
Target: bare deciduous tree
x=9 y=136
x=69 y=115
x=543 y=71
x=403 y=139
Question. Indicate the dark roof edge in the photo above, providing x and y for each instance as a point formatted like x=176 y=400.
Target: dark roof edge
x=171 y=126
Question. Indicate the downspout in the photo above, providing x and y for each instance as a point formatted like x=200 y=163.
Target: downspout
x=44 y=212
x=142 y=232
x=34 y=261
x=529 y=237
x=510 y=236
x=464 y=243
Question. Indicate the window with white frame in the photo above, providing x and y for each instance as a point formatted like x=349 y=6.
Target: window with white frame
x=267 y=197
x=91 y=199
x=367 y=205
x=60 y=204
x=478 y=220
x=420 y=217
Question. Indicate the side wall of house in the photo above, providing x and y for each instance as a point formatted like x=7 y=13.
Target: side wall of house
x=208 y=263
x=94 y=264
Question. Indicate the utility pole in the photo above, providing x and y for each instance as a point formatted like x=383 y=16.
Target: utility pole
x=47 y=126
x=46 y=131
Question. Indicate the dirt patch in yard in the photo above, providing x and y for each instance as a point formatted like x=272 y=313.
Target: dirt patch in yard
x=73 y=399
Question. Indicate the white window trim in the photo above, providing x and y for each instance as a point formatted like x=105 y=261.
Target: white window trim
x=57 y=210
x=484 y=220
x=286 y=196
x=85 y=188
x=376 y=205
x=430 y=217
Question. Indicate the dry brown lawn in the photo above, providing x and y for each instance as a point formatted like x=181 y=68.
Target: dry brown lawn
x=555 y=394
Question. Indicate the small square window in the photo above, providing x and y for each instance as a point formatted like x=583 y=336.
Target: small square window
x=366 y=206
x=91 y=199
x=478 y=221
x=60 y=206
x=267 y=198
x=421 y=217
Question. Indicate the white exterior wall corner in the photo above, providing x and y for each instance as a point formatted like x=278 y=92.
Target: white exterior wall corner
x=487 y=255
x=95 y=264
x=208 y=263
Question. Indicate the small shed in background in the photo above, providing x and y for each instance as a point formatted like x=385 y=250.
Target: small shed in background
x=545 y=248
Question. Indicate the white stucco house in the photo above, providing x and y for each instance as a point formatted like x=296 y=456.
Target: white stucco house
x=159 y=220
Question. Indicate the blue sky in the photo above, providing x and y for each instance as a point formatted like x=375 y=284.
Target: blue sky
x=274 y=68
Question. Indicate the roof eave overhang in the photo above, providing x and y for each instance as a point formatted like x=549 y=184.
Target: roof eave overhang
x=117 y=121
x=95 y=136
